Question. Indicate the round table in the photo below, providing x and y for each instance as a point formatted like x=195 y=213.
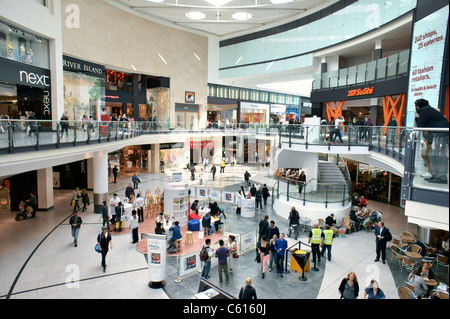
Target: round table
x=431 y=282
x=202 y=211
x=407 y=239
x=413 y=255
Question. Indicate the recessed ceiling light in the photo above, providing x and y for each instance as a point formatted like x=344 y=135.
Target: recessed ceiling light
x=242 y=16
x=198 y=58
x=195 y=15
x=157 y=1
x=162 y=58
x=280 y=1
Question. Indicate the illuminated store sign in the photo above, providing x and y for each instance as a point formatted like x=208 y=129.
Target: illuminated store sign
x=359 y=92
x=76 y=65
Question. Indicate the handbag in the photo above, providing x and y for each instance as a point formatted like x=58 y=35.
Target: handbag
x=72 y=203
x=235 y=255
x=97 y=248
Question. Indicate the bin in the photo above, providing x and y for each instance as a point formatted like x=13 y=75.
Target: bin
x=296 y=258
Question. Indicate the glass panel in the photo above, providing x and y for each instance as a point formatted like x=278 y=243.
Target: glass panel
x=361 y=73
x=371 y=68
x=351 y=78
x=343 y=77
x=403 y=60
x=334 y=78
x=325 y=80
x=381 y=68
x=392 y=65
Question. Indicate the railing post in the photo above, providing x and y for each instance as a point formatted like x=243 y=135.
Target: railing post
x=58 y=137
x=37 y=136
x=306 y=139
x=10 y=139
x=290 y=135
x=326 y=196
x=288 y=190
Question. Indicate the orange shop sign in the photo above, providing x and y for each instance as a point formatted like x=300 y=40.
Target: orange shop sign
x=359 y=92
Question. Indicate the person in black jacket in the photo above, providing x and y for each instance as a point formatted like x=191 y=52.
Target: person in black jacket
x=349 y=287
x=428 y=116
x=104 y=243
x=383 y=235
x=265 y=194
x=294 y=221
x=263 y=227
x=247 y=292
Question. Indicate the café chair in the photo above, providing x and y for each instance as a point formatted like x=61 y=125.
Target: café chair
x=411 y=287
x=405 y=293
x=396 y=255
x=415 y=248
x=408 y=263
x=441 y=294
x=441 y=261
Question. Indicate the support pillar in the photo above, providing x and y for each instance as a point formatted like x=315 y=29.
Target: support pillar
x=154 y=159
x=100 y=169
x=45 y=188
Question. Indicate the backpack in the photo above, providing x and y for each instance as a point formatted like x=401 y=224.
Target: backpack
x=203 y=254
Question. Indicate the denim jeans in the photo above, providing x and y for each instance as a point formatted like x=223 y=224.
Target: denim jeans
x=280 y=259
x=326 y=247
x=206 y=269
x=75 y=232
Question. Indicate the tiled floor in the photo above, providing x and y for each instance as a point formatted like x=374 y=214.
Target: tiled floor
x=38 y=260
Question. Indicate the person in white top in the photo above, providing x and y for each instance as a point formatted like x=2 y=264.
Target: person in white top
x=134 y=226
x=140 y=207
x=112 y=210
x=337 y=127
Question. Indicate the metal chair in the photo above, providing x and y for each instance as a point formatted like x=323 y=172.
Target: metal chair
x=396 y=255
x=414 y=248
x=408 y=263
x=405 y=293
x=411 y=287
x=441 y=261
x=441 y=294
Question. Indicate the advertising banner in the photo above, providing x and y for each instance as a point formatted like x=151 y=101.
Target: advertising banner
x=189 y=263
x=427 y=54
x=156 y=247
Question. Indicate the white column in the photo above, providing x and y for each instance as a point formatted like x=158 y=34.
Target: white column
x=45 y=188
x=100 y=169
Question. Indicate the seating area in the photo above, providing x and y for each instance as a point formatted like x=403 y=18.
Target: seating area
x=411 y=255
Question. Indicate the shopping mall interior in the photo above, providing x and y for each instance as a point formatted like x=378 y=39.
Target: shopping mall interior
x=225 y=122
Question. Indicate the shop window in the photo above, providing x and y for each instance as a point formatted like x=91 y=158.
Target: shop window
x=23 y=47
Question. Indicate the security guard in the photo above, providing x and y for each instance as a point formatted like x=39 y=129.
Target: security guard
x=327 y=241
x=315 y=238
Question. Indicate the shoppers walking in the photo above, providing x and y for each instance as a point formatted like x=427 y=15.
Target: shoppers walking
x=75 y=198
x=349 y=287
x=327 y=241
x=301 y=181
x=119 y=213
x=265 y=194
x=221 y=254
x=222 y=167
x=136 y=180
x=115 y=170
x=75 y=224
x=263 y=227
x=263 y=247
x=192 y=170
x=247 y=178
x=213 y=171
x=205 y=257
x=134 y=226
x=280 y=248
x=315 y=237
x=139 y=201
x=258 y=199
x=84 y=199
x=232 y=248
x=247 y=292
x=294 y=221
x=383 y=235
x=113 y=203
x=105 y=214
x=373 y=291
x=273 y=230
x=273 y=252
x=104 y=243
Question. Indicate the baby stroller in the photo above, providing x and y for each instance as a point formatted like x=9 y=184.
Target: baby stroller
x=375 y=217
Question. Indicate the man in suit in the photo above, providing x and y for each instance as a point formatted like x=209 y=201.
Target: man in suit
x=383 y=235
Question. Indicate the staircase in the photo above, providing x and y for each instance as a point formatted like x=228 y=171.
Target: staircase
x=330 y=173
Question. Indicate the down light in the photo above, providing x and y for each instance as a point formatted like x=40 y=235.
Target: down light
x=195 y=15
x=242 y=16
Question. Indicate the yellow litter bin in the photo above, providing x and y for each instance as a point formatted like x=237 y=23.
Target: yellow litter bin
x=295 y=266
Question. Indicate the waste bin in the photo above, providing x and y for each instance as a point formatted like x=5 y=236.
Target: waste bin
x=301 y=260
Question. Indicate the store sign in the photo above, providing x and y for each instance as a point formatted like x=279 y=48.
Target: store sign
x=254 y=106
x=46 y=102
x=76 y=65
x=359 y=92
x=23 y=74
x=426 y=63
x=202 y=144
x=168 y=146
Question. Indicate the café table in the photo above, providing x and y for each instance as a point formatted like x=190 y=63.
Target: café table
x=407 y=239
x=431 y=282
x=413 y=255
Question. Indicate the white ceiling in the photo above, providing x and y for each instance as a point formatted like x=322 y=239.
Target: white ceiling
x=218 y=20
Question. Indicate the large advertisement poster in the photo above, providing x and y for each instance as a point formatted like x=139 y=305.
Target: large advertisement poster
x=156 y=249
x=427 y=54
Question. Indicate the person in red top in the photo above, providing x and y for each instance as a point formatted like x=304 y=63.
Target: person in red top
x=363 y=202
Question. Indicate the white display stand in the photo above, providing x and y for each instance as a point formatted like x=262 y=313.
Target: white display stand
x=248 y=207
x=176 y=202
x=127 y=209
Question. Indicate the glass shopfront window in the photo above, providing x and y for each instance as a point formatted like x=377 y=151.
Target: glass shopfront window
x=118 y=81
x=83 y=95
x=254 y=113
x=158 y=104
x=23 y=47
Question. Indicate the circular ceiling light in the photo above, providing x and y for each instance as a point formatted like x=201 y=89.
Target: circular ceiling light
x=242 y=16
x=280 y=1
x=194 y=15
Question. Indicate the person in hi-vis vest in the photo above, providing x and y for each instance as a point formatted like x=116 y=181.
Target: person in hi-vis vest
x=327 y=241
x=315 y=237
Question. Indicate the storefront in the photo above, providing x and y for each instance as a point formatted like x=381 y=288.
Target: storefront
x=293 y=113
x=172 y=153
x=84 y=89
x=254 y=113
x=25 y=90
x=222 y=114
x=277 y=114
x=186 y=116
x=201 y=150
x=158 y=99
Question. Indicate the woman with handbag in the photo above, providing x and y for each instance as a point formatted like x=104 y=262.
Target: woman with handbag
x=264 y=252
x=75 y=196
x=232 y=247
